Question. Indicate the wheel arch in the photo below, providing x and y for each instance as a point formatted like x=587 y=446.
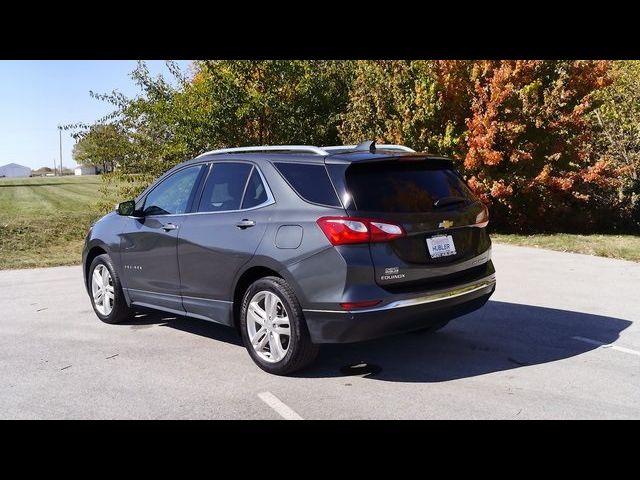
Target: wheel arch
x=260 y=266
x=243 y=282
x=92 y=253
x=98 y=248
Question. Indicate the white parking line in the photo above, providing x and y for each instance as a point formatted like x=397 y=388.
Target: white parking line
x=281 y=409
x=607 y=345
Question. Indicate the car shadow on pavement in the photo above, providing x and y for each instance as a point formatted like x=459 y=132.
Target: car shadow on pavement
x=500 y=336
x=211 y=330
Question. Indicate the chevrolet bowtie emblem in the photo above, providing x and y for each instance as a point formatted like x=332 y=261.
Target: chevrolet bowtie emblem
x=446 y=224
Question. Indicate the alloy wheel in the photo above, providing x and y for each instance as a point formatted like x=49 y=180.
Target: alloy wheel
x=268 y=326
x=102 y=289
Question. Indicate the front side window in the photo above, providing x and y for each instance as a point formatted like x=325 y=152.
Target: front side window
x=225 y=187
x=173 y=194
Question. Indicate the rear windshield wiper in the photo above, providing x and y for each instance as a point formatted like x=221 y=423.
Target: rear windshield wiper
x=444 y=201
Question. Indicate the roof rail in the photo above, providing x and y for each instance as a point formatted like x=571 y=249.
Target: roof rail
x=269 y=148
x=378 y=146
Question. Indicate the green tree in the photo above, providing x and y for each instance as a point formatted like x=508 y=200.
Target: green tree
x=262 y=102
x=102 y=145
x=422 y=104
x=223 y=103
x=231 y=103
x=617 y=121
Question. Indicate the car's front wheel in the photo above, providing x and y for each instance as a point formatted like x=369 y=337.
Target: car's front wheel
x=273 y=327
x=105 y=291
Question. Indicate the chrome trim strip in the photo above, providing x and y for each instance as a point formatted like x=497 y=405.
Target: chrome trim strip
x=178 y=296
x=209 y=213
x=266 y=204
x=246 y=185
x=207 y=299
x=153 y=293
x=410 y=302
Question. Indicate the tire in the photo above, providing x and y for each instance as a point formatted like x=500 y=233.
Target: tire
x=300 y=352
x=120 y=311
x=432 y=328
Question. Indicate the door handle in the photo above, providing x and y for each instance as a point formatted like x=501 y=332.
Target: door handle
x=169 y=226
x=244 y=223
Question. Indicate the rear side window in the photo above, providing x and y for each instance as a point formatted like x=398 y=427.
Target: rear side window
x=255 y=193
x=311 y=182
x=403 y=187
x=224 y=188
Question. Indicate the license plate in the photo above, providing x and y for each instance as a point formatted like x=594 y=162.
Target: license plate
x=441 y=246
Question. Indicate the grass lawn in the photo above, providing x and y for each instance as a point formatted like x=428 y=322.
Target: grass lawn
x=626 y=247
x=43 y=220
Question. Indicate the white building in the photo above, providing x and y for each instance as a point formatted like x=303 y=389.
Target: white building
x=85 y=170
x=14 y=170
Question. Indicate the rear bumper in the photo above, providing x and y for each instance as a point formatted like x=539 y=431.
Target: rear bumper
x=397 y=316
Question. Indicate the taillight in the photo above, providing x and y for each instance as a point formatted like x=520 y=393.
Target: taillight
x=342 y=230
x=345 y=230
x=382 y=232
x=482 y=219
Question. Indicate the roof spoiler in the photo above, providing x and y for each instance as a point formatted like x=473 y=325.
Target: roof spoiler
x=434 y=161
x=370 y=146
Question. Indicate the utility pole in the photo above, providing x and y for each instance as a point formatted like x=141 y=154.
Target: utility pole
x=60 y=130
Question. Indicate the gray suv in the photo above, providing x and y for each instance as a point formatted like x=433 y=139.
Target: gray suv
x=296 y=246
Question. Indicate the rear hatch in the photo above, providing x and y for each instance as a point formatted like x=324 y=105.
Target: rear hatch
x=443 y=221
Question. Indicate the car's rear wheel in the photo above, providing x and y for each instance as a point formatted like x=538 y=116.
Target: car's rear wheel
x=105 y=291
x=273 y=327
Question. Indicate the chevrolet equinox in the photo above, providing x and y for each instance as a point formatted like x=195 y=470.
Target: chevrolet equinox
x=296 y=246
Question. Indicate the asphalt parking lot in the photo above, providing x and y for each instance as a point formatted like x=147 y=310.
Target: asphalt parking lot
x=559 y=339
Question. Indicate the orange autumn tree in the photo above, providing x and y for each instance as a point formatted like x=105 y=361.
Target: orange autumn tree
x=529 y=138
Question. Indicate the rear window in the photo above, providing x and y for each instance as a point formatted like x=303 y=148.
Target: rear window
x=311 y=182
x=402 y=187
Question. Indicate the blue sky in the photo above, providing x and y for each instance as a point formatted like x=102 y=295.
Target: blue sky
x=36 y=96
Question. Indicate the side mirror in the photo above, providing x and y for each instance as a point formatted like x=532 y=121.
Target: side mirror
x=127 y=209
